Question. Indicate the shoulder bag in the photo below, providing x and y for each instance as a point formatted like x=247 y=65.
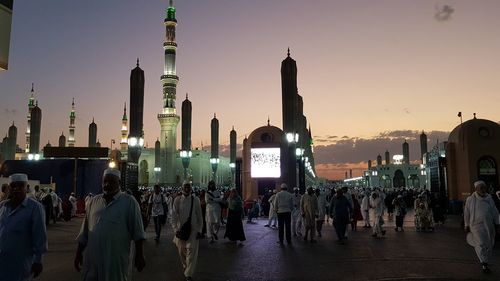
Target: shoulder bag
x=185 y=231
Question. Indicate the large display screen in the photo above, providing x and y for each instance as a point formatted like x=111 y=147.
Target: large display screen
x=265 y=163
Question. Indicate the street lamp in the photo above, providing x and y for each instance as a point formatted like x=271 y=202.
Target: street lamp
x=157 y=170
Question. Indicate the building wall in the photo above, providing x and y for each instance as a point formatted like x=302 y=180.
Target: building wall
x=5 y=29
x=467 y=144
x=200 y=169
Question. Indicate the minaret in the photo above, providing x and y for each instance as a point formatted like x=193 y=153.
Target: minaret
x=232 y=154
x=186 y=153
x=387 y=157
x=136 y=135
x=35 y=128
x=93 y=134
x=214 y=146
x=31 y=105
x=123 y=141
x=379 y=160
x=12 y=143
x=423 y=146
x=72 y=117
x=168 y=117
x=62 y=140
x=406 y=153
x=289 y=111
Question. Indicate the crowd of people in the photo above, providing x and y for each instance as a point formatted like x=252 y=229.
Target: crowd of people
x=114 y=219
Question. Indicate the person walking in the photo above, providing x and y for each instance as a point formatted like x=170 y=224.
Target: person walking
x=23 y=236
x=377 y=204
x=399 y=211
x=234 y=226
x=213 y=200
x=322 y=205
x=296 y=215
x=272 y=213
x=187 y=223
x=112 y=222
x=156 y=203
x=365 y=210
x=481 y=223
x=309 y=210
x=340 y=211
x=283 y=206
x=73 y=200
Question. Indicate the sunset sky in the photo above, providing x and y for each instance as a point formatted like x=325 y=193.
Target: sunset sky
x=372 y=73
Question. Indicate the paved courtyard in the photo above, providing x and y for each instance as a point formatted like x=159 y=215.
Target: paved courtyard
x=443 y=255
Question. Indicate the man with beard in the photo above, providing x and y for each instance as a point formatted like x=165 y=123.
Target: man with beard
x=23 y=237
x=113 y=220
x=186 y=208
x=481 y=222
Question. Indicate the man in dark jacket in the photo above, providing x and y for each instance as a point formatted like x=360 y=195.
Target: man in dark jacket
x=340 y=210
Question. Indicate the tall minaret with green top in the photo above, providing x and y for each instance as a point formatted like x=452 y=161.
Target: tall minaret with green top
x=168 y=117
x=31 y=105
x=72 y=117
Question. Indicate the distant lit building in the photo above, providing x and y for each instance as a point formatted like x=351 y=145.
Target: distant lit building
x=398 y=173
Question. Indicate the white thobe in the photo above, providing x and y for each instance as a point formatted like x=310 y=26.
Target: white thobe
x=322 y=204
x=309 y=209
x=481 y=215
x=188 y=250
x=213 y=207
x=365 y=209
x=378 y=208
x=107 y=232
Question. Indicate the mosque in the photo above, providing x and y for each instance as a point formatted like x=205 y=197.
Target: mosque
x=169 y=166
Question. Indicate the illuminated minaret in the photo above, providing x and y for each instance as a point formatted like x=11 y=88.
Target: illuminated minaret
x=123 y=141
x=71 y=137
x=31 y=105
x=168 y=117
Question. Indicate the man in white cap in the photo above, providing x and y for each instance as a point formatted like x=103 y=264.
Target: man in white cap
x=283 y=205
x=23 y=237
x=213 y=213
x=187 y=209
x=112 y=221
x=481 y=222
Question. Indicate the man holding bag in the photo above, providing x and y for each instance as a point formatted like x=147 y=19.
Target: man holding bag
x=187 y=222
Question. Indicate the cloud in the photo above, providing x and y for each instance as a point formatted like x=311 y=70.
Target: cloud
x=355 y=152
x=9 y=112
x=443 y=13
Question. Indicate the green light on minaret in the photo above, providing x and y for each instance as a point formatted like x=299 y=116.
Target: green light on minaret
x=170 y=12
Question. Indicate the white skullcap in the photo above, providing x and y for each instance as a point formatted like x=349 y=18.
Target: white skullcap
x=283 y=186
x=479 y=183
x=18 y=178
x=113 y=172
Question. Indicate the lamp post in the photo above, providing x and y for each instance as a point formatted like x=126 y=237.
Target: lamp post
x=292 y=138
x=186 y=156
x=157 y=170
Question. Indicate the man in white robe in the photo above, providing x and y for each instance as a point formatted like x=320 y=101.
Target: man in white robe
x=309 y=210
x=296 y=216
x=214 y=199
x=188 y=250
x=112 y=222
x=322 y=206
x=365 y=210
x=481 y=222
x=377 y=204
x=273 y=216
